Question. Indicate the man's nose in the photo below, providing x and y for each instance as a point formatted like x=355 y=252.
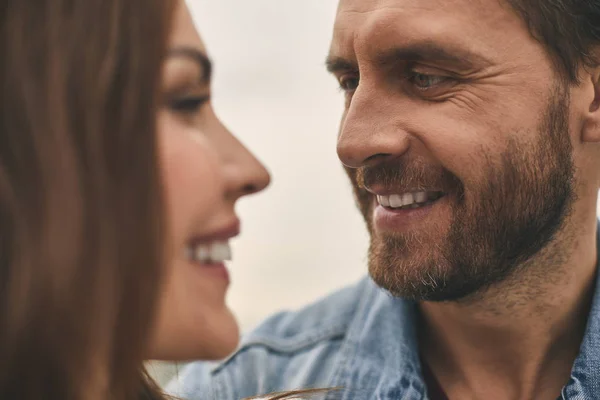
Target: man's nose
x=371 y=132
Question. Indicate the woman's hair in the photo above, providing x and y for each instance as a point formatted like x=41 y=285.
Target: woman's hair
x=81 y=216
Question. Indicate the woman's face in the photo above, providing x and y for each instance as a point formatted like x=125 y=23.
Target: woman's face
x=205 y=171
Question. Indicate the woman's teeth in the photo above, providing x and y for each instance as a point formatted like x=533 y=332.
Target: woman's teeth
x=209 y=253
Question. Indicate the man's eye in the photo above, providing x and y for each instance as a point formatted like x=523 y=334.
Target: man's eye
x=424 y=81
x=349 y=83
x=189 y=105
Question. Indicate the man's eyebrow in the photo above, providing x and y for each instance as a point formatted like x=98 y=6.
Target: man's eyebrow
x=197 y=56
x=424 y=51
x=432 y=52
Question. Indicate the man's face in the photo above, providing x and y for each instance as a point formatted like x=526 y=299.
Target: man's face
x=456 y=136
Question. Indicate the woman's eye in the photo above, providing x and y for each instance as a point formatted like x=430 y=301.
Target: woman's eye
x=189 y=105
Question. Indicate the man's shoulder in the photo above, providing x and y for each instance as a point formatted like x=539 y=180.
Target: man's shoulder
x=325 y=319
x=289 y=350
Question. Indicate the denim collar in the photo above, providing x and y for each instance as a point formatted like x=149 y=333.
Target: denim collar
x=381 y=351
x=585 y=375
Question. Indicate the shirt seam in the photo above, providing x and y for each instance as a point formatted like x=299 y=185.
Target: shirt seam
x=289 y=346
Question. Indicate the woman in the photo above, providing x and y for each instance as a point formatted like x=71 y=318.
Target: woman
x=202 y=186
x=117 y=193
x=81 y=181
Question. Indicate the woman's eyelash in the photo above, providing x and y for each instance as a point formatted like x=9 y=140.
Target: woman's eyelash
x=189 y=104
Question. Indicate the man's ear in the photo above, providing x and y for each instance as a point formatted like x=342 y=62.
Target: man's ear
x=591 y=128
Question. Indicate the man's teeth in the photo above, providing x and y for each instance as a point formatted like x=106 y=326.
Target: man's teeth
x=210 y=253
x=408 y=200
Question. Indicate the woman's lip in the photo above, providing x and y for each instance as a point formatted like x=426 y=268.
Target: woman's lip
x=222 y=234
x=218 y=270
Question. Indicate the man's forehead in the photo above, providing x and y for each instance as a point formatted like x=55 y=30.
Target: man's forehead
x=382 y=23
x=448 y=6
x=368 y=6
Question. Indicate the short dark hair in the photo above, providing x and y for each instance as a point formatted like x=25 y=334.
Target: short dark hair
x=569 y=29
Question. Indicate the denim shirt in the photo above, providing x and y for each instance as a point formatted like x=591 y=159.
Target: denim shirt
x=361 y=339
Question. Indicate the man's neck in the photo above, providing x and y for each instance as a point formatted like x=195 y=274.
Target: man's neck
x=517 y=341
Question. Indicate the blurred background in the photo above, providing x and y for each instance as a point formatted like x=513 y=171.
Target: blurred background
x=303 y=237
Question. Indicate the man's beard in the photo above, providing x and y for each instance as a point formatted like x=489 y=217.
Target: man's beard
x=495 y=229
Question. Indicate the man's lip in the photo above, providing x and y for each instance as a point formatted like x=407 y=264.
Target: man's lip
x=224 y=233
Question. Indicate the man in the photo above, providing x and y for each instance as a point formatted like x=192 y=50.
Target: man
x=471 y=135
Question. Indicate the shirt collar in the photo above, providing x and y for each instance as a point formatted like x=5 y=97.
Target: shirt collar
x=585 y=375
x=379 y=358
x=381 y=351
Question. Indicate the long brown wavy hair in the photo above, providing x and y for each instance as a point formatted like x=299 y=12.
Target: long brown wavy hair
x=81 y=211
x=80 y=196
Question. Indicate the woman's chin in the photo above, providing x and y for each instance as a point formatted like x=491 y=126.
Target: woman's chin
x=213 y=340
x=223 y=345
x=221 y=337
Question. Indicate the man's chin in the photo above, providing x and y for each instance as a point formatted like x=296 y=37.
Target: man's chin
x=418 y=291
x=429 y=281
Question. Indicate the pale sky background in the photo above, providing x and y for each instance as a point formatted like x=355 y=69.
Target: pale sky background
x=303 y=237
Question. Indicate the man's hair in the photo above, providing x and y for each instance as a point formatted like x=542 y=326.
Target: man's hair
x=569 y=29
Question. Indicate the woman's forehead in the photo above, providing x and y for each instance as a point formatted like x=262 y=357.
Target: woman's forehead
x=184 y=32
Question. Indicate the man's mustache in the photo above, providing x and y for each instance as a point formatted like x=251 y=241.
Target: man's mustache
x=404 y=175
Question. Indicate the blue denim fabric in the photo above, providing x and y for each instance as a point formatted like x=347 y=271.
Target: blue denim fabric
x=361 y=339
